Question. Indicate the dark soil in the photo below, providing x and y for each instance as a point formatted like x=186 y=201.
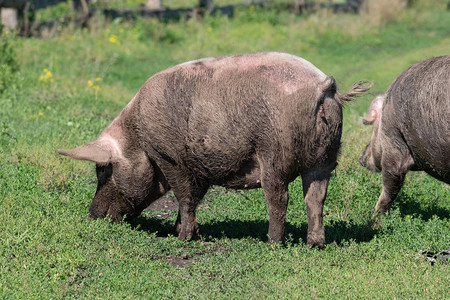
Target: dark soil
x=166 y=202
x=184 y=259
x=179 y=261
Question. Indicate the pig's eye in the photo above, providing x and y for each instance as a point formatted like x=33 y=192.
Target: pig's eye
x=100 y=171
x=103 y=172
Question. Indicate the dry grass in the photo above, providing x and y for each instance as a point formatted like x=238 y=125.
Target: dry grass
x=380 y=12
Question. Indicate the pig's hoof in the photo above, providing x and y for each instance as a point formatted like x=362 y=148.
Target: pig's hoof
x=188 y=234
x=187 y=237
x=316 y=241
x=375 y=220
x=320 y=246
x=275 y=240
x=375 y=214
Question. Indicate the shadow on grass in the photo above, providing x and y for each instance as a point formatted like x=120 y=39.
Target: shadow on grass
x=337 y=232
x=425 y=211
x=162 y=227
x=341 y=231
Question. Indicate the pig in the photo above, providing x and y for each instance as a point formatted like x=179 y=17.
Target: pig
x=242 y=122
x=411 y=128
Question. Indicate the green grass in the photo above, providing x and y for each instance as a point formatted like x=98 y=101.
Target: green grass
x=49 y=250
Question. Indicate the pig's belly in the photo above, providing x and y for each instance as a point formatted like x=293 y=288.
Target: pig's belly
x=432 y=155
x=247 y=177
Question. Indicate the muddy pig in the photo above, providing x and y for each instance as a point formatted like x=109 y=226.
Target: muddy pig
x=242 y=122
x=411 y=128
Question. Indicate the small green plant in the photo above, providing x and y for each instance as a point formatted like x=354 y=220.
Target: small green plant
x=429 y=4
x=6 y=133
x=55 y=12
x=8 y=62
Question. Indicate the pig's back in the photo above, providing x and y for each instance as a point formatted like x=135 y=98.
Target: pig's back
x=216 y=113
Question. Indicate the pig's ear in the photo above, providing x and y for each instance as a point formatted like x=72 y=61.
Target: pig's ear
x=374 y=111
x=93 y=151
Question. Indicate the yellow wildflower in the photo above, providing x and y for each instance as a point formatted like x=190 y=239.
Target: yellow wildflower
x=40 y=114
x=209 y=29
x=113 y=39
x=46 y=76
x=94 y=84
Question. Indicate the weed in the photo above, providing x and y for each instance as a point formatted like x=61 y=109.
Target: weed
x=8 y=61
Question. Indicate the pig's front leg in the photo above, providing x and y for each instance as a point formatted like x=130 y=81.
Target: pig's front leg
x=275 y=188
x=277 y=198
x=186 y=226
x=315 y=184
x=188 y=191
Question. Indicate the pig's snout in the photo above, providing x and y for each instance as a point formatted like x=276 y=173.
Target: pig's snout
x=362 y=160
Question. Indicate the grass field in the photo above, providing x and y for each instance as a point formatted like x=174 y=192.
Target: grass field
x=60 y=90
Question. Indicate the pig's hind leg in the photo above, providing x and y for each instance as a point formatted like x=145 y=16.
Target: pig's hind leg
x=395 y=162
x=315 y=185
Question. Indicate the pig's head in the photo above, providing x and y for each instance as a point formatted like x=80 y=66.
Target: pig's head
x=371 y=156
x=127 y=181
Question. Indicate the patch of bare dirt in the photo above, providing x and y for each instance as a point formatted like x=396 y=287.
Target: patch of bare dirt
x=169 y=203
x=179 y=261
x=184 y=259
x=166 y=202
